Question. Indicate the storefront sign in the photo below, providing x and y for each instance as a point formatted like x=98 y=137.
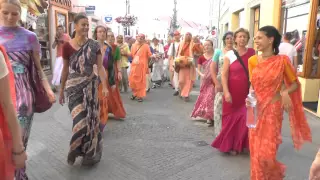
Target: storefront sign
x=90 y=10
x=65 y=4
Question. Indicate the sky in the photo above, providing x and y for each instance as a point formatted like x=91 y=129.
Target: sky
x=192 y=10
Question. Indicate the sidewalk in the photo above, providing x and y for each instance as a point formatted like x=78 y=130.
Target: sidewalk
x=157 y=141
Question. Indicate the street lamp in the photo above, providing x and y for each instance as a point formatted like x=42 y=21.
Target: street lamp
x=219 y=11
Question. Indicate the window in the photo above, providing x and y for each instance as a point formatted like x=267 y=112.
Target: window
x=256 y=21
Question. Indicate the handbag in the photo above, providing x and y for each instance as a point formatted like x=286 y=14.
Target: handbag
x=41 y=99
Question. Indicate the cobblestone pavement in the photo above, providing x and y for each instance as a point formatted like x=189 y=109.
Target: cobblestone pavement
x=157 y=141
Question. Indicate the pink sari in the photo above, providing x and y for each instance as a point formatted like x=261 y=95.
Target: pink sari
x=204 y=104
x=234 y=133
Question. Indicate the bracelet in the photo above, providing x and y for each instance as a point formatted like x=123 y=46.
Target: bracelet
x=19 y=153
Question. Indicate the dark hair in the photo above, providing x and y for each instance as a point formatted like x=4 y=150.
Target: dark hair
x=239 y=31
x=288 y=36
x=224 y=37
x=73 y=34
x=79 y=17
x=94 y=36
x=60 y=26
x=271 y=31
x=76 y=20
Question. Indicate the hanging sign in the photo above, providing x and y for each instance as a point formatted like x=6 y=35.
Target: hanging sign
x=108 y=19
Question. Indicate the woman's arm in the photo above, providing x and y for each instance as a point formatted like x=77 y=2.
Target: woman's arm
x=225 y=75
x=43 y=77
x=295 y=62
x=213 y=70
x=10 y=114
x=101 y=71
x=64 y=74
x=199 y=70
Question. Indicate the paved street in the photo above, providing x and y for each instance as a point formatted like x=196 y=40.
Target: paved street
x=157 y=141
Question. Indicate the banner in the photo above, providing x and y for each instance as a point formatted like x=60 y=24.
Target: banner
x=31 y=10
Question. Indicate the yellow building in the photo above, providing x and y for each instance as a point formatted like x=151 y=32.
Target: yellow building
x=297 y=16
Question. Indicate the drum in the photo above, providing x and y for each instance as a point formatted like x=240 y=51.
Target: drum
x=183 y=61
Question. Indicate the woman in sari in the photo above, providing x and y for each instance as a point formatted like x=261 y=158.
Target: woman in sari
x=100 y=34
x=113 y=57
x=204 y=104
x=23 y=50
x=216 y=69
x=80 y=55
x=268 y=72
x=12 y=150
x=233 y=137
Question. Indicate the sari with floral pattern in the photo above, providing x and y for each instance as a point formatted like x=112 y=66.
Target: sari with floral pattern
x=267 y=79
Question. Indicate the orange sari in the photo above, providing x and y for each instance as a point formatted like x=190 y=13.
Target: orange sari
x=113 y=103
x=267 y=78
x=6 y=166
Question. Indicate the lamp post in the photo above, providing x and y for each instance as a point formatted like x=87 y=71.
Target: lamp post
x=127 y=12
x=219 y=11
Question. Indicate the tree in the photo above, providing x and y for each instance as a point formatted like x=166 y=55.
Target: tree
x=174 y=20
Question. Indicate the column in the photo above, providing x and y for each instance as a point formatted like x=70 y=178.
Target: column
x=310 y=39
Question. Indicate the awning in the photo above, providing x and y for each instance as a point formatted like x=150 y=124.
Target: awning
x=292 y=3
x=32 y=9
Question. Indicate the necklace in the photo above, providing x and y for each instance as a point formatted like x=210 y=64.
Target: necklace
x=81 y=44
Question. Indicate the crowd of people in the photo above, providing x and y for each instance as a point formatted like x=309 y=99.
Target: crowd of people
x=91 y=73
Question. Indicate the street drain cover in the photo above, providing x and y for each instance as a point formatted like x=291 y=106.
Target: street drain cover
x=200 y=143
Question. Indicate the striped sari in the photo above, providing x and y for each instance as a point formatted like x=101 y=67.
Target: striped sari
x=82 y=95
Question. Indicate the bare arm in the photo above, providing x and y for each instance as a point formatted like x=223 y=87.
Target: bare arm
x=45 y=83
x=64 y=74
x=295 y=62
x=290 y=89
x=213 y=70
x=10 y=114
x=225 y=75
x=101 y=71
x=199 y=70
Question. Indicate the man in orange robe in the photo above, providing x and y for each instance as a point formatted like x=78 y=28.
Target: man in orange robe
x=187 y=72
x=140 y=53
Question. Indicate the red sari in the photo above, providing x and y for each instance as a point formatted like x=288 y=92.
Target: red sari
x=6 y=164
x=267 y=79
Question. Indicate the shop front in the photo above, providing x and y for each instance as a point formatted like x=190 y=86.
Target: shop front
x=301 y=18
x=58 y=15
x=36 y=20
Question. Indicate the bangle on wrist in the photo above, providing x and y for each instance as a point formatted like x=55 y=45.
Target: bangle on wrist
x=19 y=153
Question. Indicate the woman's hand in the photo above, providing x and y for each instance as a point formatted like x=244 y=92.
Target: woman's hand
x=227 y=97
x=248 y=103
x=286 y=101
x=314 y=173
x=20 y=160
x=218 y=87
x=51 y=96
x=105 y=91
x=61 y=97
x=119 y=76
